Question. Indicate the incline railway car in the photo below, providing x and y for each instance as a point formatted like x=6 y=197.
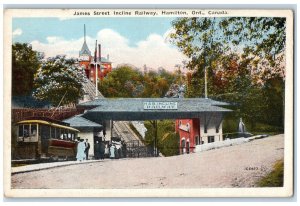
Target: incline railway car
x=44 y=138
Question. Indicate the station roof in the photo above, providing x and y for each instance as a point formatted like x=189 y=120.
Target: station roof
x=79 y=122
x=135 y=109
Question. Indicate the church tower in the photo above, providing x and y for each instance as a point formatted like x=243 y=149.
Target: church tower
x=85 y=55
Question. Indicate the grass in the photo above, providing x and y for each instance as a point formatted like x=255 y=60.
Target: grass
x=274 y=178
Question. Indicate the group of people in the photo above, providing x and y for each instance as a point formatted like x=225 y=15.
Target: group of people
x=115 y=150
x=83 y=148
x=101 y=150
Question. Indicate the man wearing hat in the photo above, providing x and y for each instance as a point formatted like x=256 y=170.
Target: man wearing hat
x=87 y=148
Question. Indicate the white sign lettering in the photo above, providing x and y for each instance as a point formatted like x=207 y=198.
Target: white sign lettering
x=160 y=105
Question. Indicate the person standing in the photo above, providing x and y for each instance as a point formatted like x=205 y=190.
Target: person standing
x=80 y=151
x=87 y=148
x=106 y=151
x=112 y=152
x=97 y=150
x=102 y=150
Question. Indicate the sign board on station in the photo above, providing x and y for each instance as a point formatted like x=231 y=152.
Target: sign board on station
x=160 y=105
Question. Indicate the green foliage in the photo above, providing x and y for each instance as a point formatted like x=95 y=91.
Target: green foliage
x=25 y=63
x=168 y=139
x=263 y=36
x=205 y=40
x=244 y=59
x=275 y=178
x=59 y=81
x=122 y=82
x=126 y=81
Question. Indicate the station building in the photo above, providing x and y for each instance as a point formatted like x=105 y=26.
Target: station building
x=197 y=131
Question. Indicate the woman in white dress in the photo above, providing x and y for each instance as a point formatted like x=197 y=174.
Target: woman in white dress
x=80 y=151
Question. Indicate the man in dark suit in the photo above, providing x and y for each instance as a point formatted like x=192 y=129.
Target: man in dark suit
x=87 y=148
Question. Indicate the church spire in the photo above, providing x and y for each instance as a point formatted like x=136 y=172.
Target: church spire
x=84 y=33
x=84 y=49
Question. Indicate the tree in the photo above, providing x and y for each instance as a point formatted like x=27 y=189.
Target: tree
x=25 y=63
x=125 y=81
x=263 y=37
x=59 y=81
x=260 y=41
x=155 y=85
x=168 y=139
x=242 y=57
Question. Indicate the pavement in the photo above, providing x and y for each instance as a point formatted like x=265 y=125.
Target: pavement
x=42 y=166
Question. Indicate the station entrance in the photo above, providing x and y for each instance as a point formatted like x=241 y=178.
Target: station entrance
x=209 y=112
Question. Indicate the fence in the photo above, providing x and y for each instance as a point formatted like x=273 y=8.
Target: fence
x=135 y=150
x=60 y=114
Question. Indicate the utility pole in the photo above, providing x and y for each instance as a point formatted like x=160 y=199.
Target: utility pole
x=96 y=62
x=99 y=61
x=205 y=71
x=205 y=80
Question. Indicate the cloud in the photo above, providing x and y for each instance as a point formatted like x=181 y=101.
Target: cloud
x=17 y=32
x=154 y=51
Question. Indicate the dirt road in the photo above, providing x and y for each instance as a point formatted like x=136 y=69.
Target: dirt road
x=234 y=166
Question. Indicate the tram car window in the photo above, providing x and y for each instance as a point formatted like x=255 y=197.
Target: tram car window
x=57 y=133
x=53 y=132
x=27 y=133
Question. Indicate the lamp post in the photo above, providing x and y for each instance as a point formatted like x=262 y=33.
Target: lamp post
x=96 y=80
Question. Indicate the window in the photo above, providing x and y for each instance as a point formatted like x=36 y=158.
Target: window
x=33 y=130
x=21 y=130
x=53 y=132
x=57 y=133
x=63 y=134
x=188 y=127
x=26 y=130
x=211 y=139
x=217 y=129
x=27 y=133
x=71 y=136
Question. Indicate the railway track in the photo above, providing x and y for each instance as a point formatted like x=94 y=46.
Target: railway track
x=123 y=130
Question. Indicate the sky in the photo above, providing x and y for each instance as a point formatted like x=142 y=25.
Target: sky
x=137 y=41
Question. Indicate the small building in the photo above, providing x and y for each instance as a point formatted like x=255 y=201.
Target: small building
x=194 y=132
x=202 y=130
x=87 y=130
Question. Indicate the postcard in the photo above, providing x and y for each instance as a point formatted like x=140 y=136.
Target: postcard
x=148 y=103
